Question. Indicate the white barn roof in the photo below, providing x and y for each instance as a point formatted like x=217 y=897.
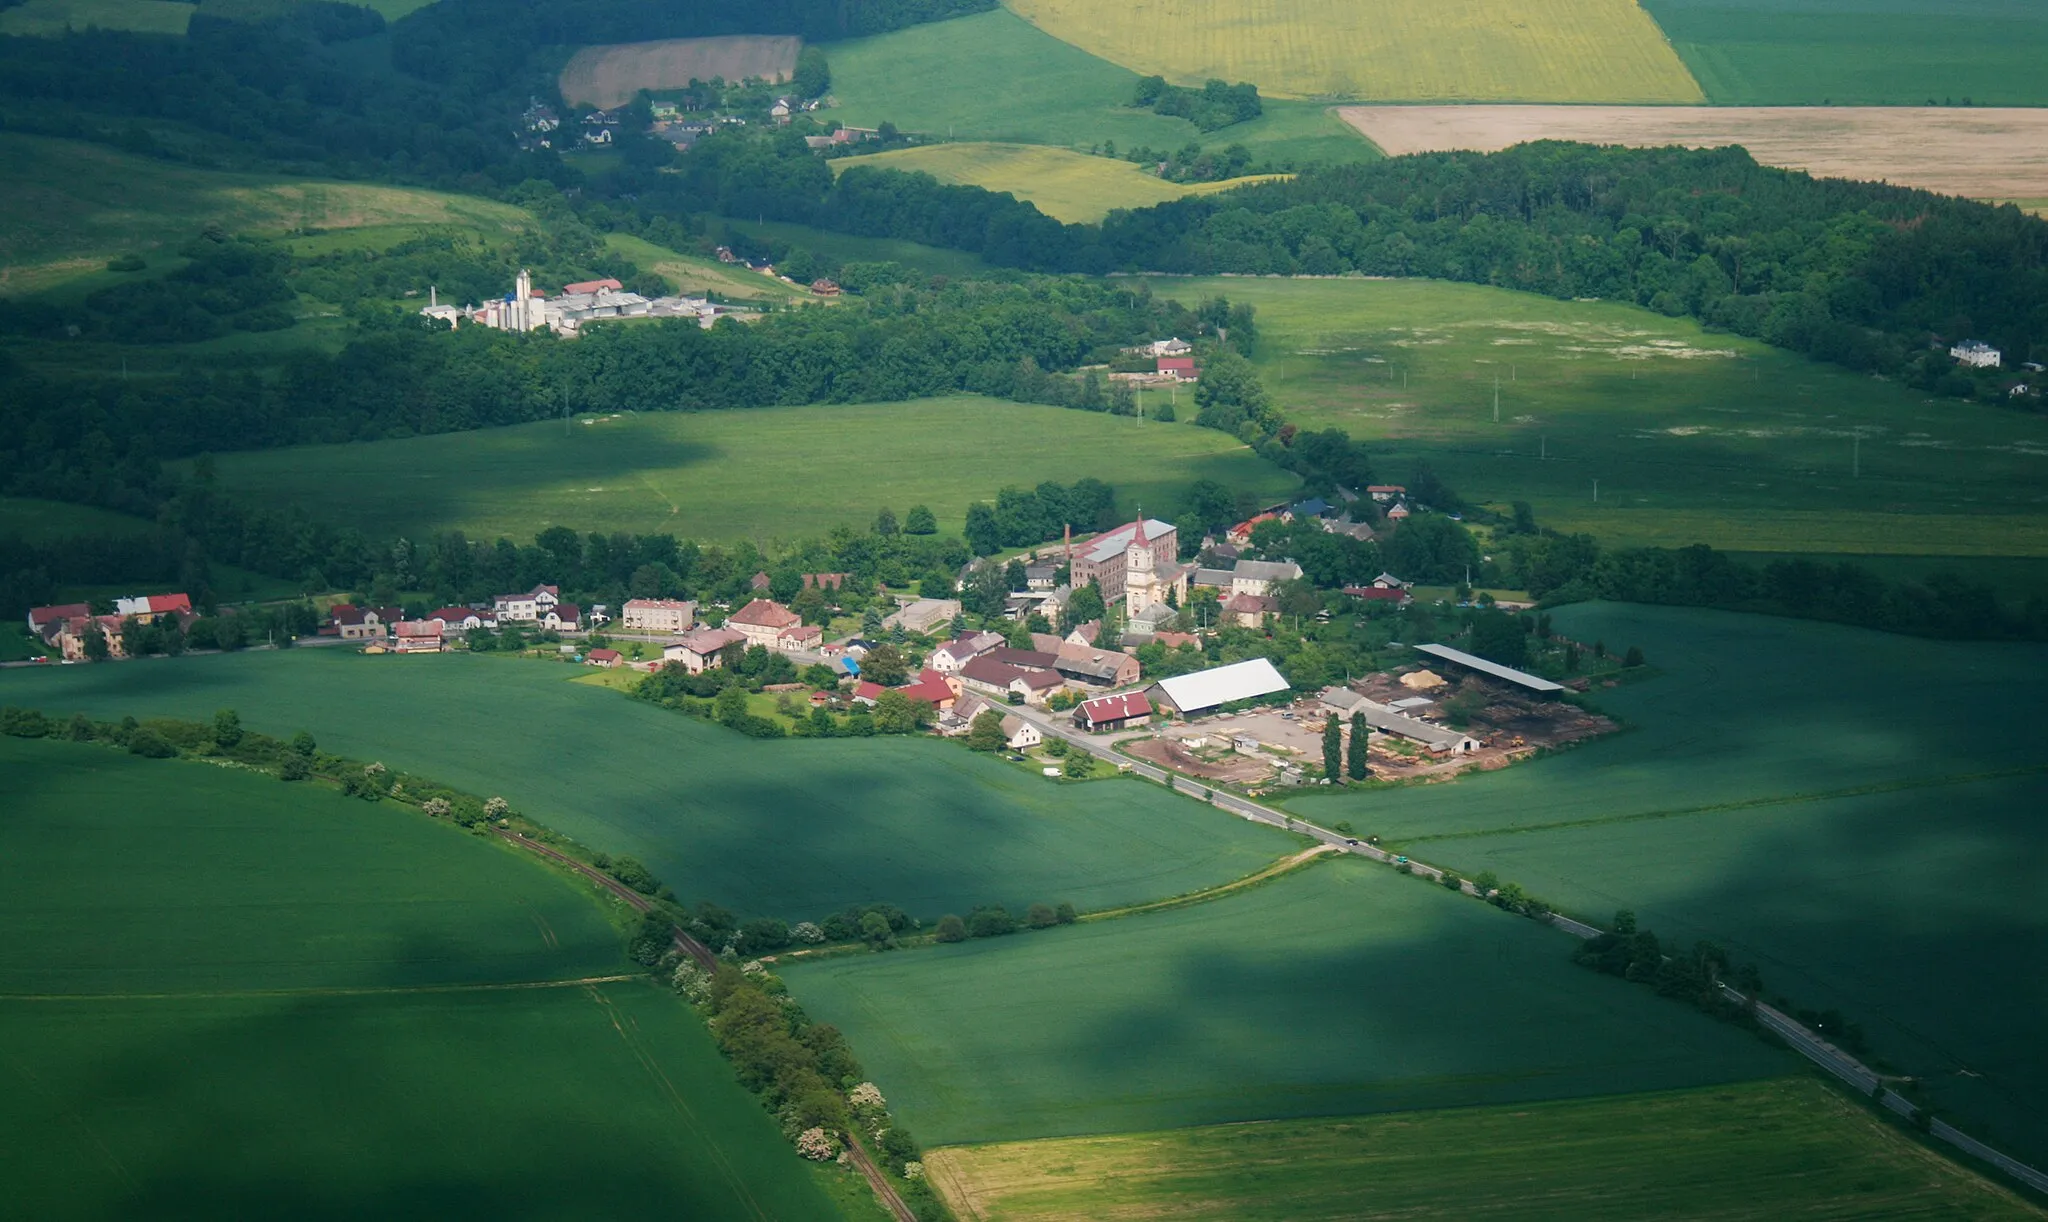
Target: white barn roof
x=1205 y=689
x=1509 y=673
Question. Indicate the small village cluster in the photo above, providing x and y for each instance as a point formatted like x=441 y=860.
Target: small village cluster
x=526 y=308
x=69 y=628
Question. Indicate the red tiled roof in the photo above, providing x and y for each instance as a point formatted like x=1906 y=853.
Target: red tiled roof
x=591 y=286
x=1372 y=593
x=604 y=655
x=41 y=616
x=568 y=611
x=1117 y=708
x=345 y=613
x=416 y=628
x=1174 y=640
x=761 y=613
x=161 y=603
x=452 y=615
x=1176 y=364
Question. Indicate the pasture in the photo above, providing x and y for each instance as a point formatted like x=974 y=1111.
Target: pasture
x=1410 y=50
x=761 y=474
x=1980 y=153
x=72 y=206
x=40 y=521
x=1867 y=53
x=610 y=76
x=1694 y=437
x=702 y=276
x=221 y=994
x=1831 y=804
x=1066 y=186
x=935 y=79
x=52 y=18
x=789 y=828
x=1339 y=989
x=1784 y=1147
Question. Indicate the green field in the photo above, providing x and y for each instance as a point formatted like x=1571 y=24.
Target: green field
x=50 y=18
x=221 y=996
x=762 y=474
x=72 y=206
x=937 y=79
x=1861 y=52
x=1337 y=990
x=1396 y=51
x=791 y=828
x=25 y=517
x=1857 y=813
x=1067 y=186
x=1694 y=437
x=853 y=248
x=696 y=274
x=1786 y=1147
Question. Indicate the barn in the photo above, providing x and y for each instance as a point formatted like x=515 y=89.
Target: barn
x=1191 y=695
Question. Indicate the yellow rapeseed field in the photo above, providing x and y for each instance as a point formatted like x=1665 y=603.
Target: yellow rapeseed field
x=1386 y=50
x=1065 y=185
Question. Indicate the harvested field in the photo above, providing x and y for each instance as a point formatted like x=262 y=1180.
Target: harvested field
x=1979 y=153
x=1397 y=50
x=610 y=76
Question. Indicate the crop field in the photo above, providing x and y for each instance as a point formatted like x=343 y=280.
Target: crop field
x=1337 y=990
x=764 y=474
x=71 y=206
x=1866 y=52
x=1784 y=1147
x=1830 y=803
x=790 y=828
x=699 y=275
x=611 y=75
x=1694 y=437
x=25 y=517
x=220 y=995
x=1067 y=186
x=50 y=18
x=1411 y=50
x=935 y=79
x=1981 y=153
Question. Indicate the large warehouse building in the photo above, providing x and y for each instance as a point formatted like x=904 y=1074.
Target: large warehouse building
x=1190 y=695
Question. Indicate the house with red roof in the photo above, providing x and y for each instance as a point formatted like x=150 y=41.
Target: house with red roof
x=148 y=607
x=802 y=638
x=562 y=617
x=417 y=636
x=353 y=623
x=68 y=636
x=701 y=650
x=763 y=621
x=528 y=607
x=1249 y=610
x=935 y=689
x=461 y=619
x=1112 y=712
x=606 y=658
x=41 y=618
x=592 y=286
x=994 y=677
x=1241 y=534
x=1179 y=368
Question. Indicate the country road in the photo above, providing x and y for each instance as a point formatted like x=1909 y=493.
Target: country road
x=1804 y=1041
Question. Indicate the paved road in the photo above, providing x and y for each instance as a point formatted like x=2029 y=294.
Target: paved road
x=1804 y=1041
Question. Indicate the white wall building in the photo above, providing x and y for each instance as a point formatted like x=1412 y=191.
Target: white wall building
x=1976 y=354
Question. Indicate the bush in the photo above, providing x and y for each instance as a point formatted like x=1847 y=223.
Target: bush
x=991 y=922
x=150 y=745
x=1041 y=916
x=1065 y=914
x=950 y=929
x=1634 y=656
x=23 y=723
x=294 y=768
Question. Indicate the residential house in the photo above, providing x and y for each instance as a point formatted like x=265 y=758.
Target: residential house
x=928 y=613
x=1387 y=594
x=825 y=287
x=1153 y=619
x=948 y=658
x=762 y=622
x=659 y=615
x=1111 y=712
x=1385 y=492
x=760 y=582
x=1083 y=634
x=1362 y=531
x=1002 y=680
x=1174 y=640
x=1019 y=734
x=699 y=651
x=1976 y=354
x=417 y=636
x=1109 y=558
x=1096 y=667
x=562 y=617
x=69 y=635
x=607 y=658
x=1387 y=581
x=1041 y=576
x=960 y=718
x=40 y=619
x=1179 y=368
x=146 y=609
x=800 y=638
x=459 y=619
x=1399 y=513
x=526 y=608
x=1023 y=659
x=1314 y=507
x=1241 y=534
x=939 y=691
x=1169 y=347
x=1258 y=576
x=1248 y=610
x=1213 y=579
x=353 y=623
x=1189 y=695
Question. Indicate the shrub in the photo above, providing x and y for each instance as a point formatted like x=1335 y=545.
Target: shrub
x=497 y=808
x=295 y=768
x=151 y=745
x=950 y=929
x=866 y=1095
x=817 y=1145
x=1065 y=914
x=437 y=808
x=23 y=723
x=807 y=932
x=1452 y=881
x=1634 y=656
x=991 y=922
x=1040 y=916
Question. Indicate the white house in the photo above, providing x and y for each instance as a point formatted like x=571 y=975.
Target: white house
x=526 y=608
x=1976 y=354
x=1019 y=734
x=1256 y=577
x=699 y=651
x=948 y=658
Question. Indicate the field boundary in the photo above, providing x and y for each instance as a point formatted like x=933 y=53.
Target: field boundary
x=1284 y=866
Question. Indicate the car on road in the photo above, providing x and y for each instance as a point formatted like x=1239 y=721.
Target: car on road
x=1352 y=841
x=1400 y=861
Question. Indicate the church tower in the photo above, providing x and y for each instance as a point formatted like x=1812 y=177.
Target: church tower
x=1141 y=579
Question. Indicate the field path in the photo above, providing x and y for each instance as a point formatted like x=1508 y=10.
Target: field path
x=1286 y=865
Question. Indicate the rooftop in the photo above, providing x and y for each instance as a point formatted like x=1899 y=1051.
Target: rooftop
x=1205 y=689
x=1519 y=677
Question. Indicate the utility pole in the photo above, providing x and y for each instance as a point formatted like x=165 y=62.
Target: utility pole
x=1496 y=398
x=1596 y=492
x=1543 y=452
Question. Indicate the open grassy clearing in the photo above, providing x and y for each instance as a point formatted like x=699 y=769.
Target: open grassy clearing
x=850 y=248
x=792 y=828
x=51 y=18
x=610 y=76
x=1413 y=50
x=763 y=474
x=1786 y=1147
x=1980 y=153
x=935 y=79
x=1065 y=185
x=696 y=274
x=72 y=206
x=24 y=517
x=1831 y=803
x=1862 y=52
x=1339 y=989
x=1695 y=437
x=221 y=994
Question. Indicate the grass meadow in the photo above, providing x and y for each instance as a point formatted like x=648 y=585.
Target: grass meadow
x=935 y=79
x=1859 y=814
x=696 y=274
x=71 y=206
x=795 y=829
x=52 y=18
x=1694 y=437
x=1871 y=52
x=763 y=474
x=221 y=995
x=1785 y=1147
x=1337 y=990
x=1408 y=51
x=1065 y=185
x=39 y=521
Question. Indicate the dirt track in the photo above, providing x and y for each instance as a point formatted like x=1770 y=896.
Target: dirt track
x=1981 y=153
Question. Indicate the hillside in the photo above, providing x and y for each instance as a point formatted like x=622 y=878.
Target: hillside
x=1064 y=185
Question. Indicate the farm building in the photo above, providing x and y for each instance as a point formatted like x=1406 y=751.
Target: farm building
x=1384 y=718
x=1189 y=695
x=146 y=609
x=417 y=636
x=1519 y=678
x=1112 y=712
